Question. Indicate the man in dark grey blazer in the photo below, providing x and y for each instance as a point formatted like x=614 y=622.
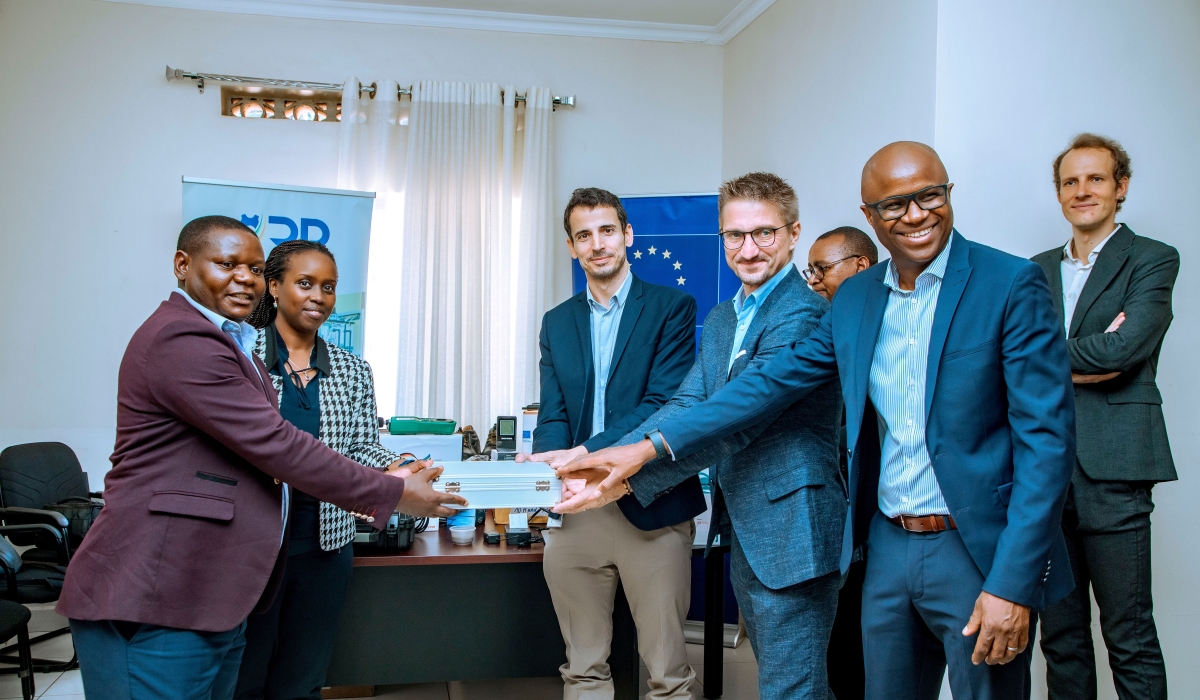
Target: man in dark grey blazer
x=1114 y=290
x=777 y=491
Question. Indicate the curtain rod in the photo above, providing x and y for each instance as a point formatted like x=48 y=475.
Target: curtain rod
x=177 y=74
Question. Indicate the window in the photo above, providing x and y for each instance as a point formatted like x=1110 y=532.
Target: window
x=252 y=102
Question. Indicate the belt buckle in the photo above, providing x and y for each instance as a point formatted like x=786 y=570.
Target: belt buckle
x=921 y=523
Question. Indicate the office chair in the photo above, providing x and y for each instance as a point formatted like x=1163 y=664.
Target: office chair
x=14 y=622
x=32 y=582
x=34 y=475
x=31 y=476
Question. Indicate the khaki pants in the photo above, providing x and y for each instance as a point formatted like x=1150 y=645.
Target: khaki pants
x=583 y=561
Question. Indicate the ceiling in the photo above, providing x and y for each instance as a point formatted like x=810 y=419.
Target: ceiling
x=692 y=21
x=708 y=13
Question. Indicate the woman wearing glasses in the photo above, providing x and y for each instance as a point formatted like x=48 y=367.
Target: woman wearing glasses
x=330 y=394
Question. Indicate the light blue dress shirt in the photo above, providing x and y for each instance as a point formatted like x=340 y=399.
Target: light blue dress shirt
x=747 y=306
x=605 y=323
x=244 y=335
x=907 y=484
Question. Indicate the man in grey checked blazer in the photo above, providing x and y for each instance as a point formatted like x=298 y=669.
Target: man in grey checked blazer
x=777 y=489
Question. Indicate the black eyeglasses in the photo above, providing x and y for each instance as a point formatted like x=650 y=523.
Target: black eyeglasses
x=817 y=272
x=893 y=208
x=763 y=237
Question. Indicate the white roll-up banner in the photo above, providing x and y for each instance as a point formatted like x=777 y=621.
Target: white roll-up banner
x=340 y=219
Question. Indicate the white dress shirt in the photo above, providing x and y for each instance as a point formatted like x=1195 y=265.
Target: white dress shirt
x=1075 y=273
x=907 y=484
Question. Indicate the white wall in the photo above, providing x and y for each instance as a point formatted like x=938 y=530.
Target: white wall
x=814 y=87
x=1016 y=80
x=96 y=141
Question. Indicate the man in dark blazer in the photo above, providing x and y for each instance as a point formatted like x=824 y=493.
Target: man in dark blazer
x=959 y=412
x=1113 y=293
x=611 y=355
x=835 y=257
x=778 y=496
x=191 y=538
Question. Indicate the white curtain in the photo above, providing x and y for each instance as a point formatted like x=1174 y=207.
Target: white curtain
x=371 y=156
x=461 y=246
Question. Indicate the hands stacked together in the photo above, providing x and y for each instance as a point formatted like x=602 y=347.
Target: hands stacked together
x=593 y=480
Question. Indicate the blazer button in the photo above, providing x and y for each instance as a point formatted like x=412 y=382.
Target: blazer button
x=278 y=482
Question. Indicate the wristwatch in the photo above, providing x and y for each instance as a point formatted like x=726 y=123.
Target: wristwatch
x=660 y=445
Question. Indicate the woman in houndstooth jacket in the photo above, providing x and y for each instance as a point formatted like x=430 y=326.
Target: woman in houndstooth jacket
x=329 y=393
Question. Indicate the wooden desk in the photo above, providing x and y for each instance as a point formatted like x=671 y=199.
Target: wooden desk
x=442 y=612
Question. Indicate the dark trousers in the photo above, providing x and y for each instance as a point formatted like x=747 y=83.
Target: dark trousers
x=788 y=629
x=288 y=647
x=1107 y=527
x=918 y=594
x=845 y=658
x=131 y=661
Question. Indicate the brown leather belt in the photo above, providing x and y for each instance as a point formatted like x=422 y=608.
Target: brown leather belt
x=925 y=523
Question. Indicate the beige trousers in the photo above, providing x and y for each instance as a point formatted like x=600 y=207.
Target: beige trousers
x=583 y=561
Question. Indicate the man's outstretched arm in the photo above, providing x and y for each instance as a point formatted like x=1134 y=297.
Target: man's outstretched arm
x=747 y=401
x=661 y=475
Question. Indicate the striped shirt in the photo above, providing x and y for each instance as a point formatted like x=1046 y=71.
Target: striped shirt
x=606 y=320
x=907 y=484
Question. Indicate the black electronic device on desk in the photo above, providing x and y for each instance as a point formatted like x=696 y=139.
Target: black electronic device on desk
x=396 y=536
x=506 y=438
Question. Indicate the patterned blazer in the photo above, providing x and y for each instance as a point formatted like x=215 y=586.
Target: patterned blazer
x=778 y=484
x=348 y=420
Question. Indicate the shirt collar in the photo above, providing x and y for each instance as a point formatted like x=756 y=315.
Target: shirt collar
x=245 y=334
x=620 y=297
x=1068 y=255
x=274 y=351
x=760 y=295
x=937 y=268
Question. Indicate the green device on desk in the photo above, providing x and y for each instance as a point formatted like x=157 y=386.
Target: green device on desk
x=411 y=425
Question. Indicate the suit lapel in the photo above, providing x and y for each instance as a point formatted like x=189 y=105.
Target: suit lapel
x=1108 y=263
x=583 y=326
x=252 y=367
x=723 y=322
x=629 y=317
x=868 y=332
x=1054 y=275
x=958 y=271
x=268 y=387
x=760 y=323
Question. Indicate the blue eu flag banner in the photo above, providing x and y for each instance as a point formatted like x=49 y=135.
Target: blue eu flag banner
x=675 y=245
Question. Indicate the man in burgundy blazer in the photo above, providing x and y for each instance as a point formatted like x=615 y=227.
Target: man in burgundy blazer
x=192 y=530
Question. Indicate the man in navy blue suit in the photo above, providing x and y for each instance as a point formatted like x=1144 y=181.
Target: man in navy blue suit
x=960 y=418
x=611 y=356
